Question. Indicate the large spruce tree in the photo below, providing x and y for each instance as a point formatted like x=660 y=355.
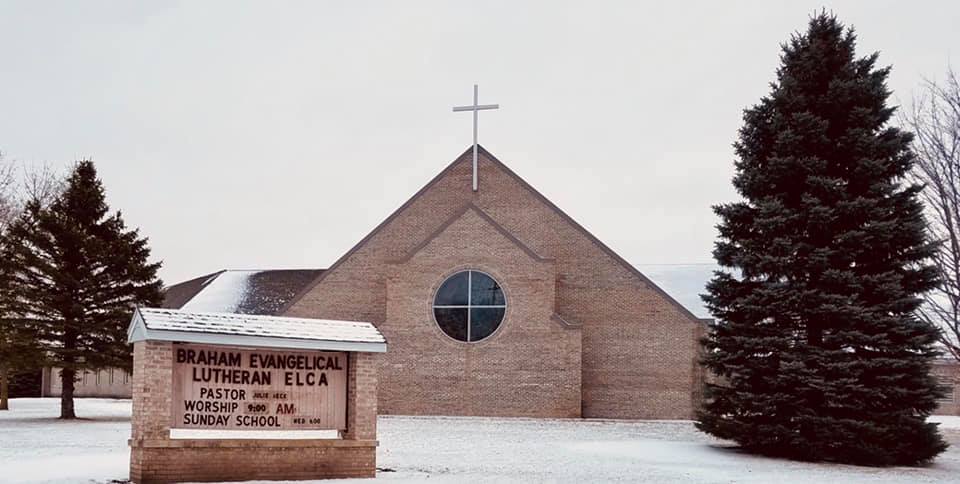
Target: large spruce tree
x=816 y=349
x=77 y=273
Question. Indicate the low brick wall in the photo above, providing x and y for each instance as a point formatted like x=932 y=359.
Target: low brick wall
x=161 y=461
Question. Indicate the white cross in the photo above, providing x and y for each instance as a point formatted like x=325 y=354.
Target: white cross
x=475 y=108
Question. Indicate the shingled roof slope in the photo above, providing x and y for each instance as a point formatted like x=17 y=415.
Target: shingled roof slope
x=175 y=296
x=241 y=292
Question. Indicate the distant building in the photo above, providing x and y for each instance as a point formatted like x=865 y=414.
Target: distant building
x=227 y=291
x=946 y=369
x=106 y=383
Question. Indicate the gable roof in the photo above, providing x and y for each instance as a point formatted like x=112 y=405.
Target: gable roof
x=493 y=159
x=468 y=207
x=241 y=292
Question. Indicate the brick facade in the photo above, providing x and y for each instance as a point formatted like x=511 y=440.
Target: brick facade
x=155 y=457
x=530 y=366
x=584 y=334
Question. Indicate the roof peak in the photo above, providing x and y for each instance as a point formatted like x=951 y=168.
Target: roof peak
x=467 y=156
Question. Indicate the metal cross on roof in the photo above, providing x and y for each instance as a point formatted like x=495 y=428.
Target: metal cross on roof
x=475 y=108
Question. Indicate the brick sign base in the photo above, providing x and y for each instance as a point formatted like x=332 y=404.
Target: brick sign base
x=155 y=457
x=243 y=460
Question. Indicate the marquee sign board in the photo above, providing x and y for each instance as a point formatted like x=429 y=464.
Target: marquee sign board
x=221 y=387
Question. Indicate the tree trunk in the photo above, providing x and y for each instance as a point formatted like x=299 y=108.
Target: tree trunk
x=67 y=376
x=4 y=386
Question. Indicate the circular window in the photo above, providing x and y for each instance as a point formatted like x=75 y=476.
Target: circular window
x=469 y=306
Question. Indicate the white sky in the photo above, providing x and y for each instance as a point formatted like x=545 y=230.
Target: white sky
x=277 y=134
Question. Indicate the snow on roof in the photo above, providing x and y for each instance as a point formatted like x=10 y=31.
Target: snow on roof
x=254 y=330
x=222 y=293
x=264 y=292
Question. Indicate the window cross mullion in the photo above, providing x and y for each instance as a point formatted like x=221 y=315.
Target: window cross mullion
x=469 y=300
x=453 y=312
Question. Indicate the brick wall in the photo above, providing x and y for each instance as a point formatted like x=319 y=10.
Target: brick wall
x=529 y=367
x=638 y=350
x=155 y=457
x=362 y=396
x=245 y=460
x=152 y=390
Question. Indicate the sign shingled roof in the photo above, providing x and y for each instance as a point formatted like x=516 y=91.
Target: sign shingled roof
x=254 y=330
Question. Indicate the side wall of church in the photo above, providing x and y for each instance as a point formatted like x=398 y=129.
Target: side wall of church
x=639 y=350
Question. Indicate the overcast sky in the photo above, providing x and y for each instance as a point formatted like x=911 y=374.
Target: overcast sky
x=277 y=134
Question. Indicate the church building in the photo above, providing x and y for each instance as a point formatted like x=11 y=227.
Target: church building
x=494 y=303
x=497 y=303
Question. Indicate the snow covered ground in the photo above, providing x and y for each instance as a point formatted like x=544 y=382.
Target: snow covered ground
x=36 y=447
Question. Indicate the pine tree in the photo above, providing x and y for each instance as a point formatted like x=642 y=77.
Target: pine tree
x=78 y=273
x=816 y=349
x=19 y=348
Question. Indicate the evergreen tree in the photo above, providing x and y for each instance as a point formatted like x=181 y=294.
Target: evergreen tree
x=816 y=348
x=19 y=348
x=78 y=273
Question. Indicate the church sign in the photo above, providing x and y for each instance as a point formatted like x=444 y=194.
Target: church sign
x=216 y=387
x=216 y=396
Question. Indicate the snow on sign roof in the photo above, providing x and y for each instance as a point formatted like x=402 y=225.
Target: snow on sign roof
x=253 y=330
